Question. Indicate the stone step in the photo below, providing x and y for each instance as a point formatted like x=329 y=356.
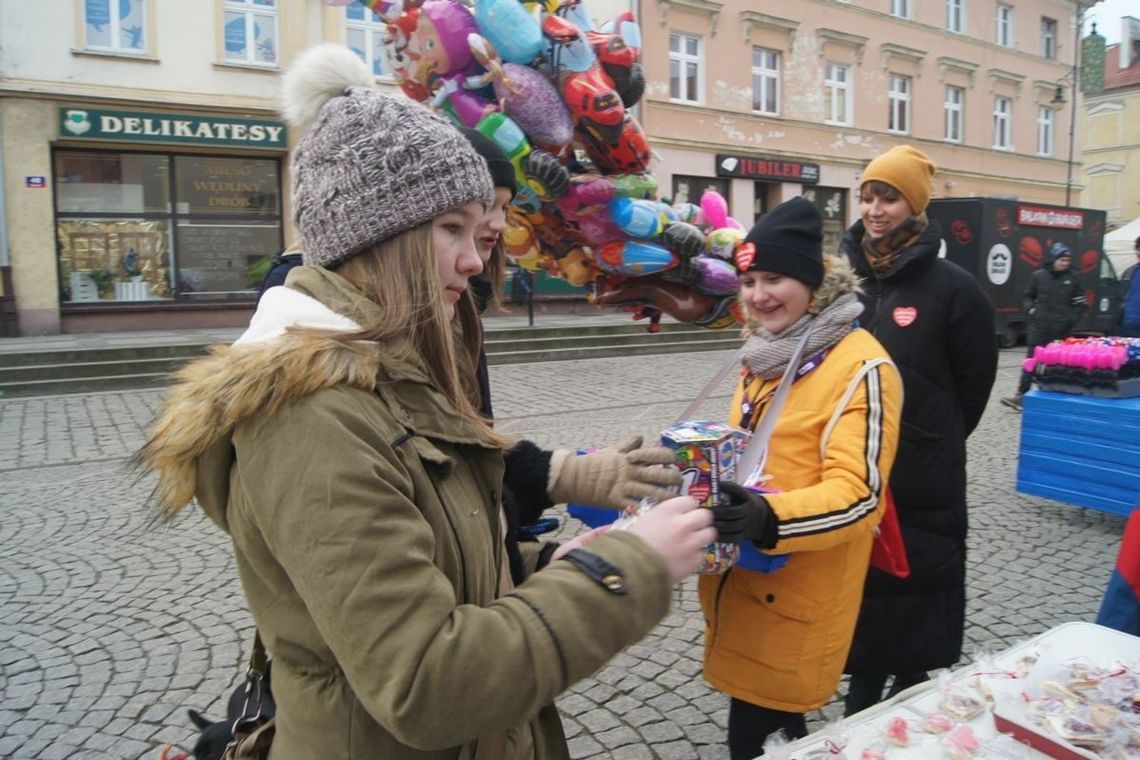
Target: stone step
x=86 y=370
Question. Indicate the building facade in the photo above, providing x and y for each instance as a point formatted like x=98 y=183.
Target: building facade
x=1111 y=150
x=764 y=100
x=143 y=172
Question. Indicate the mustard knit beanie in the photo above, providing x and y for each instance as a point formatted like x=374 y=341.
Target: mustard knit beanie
x=907 y=170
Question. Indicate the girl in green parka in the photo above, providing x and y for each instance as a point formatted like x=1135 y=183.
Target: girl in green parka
x=337 y=444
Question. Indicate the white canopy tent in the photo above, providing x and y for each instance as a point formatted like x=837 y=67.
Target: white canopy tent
x=1120 y=245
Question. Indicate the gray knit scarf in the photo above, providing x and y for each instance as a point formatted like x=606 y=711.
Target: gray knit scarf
x=766 y=355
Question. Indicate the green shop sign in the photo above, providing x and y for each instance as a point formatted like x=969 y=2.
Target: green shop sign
x=147 y=126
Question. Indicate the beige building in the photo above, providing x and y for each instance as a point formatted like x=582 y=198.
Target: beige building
x=142 y=160
x=1111 y=154
x=768 y=100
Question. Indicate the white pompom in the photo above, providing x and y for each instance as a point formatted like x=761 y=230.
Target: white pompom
x=317 y=75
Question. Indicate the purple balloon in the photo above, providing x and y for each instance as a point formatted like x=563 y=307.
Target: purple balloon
x=715 y=276
x=529 y=98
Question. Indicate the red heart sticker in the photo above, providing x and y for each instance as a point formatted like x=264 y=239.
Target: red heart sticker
x=745 y=255
x=905 y=315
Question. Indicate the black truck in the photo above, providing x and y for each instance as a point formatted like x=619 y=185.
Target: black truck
x=1002 y=241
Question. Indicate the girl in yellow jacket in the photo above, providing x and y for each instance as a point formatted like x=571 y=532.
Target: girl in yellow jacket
x=776 y=642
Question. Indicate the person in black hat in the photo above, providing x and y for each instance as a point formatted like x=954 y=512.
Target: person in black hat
x=776 y=641
x=1053 y=303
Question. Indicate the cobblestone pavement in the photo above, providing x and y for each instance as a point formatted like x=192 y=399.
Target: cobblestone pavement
x=111 y=628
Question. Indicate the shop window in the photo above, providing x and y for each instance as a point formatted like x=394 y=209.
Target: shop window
x=153 y=227
x=832 y=205
x=115 y=26
x=364 y=35
x=250 y=31
x=687 y=189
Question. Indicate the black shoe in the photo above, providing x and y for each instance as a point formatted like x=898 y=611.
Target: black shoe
x=1013 y=402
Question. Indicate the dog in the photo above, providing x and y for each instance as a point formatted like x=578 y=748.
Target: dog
x=215 y=736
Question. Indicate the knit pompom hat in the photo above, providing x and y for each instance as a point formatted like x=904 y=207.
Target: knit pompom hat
x=906 y=169
x=369 y=165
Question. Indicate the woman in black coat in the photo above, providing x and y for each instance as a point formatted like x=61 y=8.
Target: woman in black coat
x=937 y=325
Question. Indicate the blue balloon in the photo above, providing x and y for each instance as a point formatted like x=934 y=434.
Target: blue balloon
x=508 y=26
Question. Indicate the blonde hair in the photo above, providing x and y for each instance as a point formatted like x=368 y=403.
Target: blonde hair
x=399 y=275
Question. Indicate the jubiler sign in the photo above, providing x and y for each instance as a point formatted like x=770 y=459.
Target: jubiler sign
x=147 y=126
x=761 y=167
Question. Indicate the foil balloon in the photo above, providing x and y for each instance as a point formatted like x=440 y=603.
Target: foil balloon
x=577 y=268
x=635 y=185
x=683 y=239
x=511 y=29
x=721 y=243
x=715 y=208
x=691 y=213
x=715 y=276
x=633 y=257
x=639 y=219
x=540 y=176
x=524 y=94
x=675 y=299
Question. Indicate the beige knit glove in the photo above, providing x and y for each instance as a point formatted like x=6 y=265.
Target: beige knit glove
x=616 y=477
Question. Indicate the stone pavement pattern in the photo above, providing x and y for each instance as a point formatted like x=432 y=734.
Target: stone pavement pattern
x=110 y=628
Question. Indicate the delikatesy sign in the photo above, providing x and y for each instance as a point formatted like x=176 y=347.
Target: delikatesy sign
x=183 y=129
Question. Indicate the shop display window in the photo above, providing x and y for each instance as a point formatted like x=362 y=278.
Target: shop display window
x=152 y=227
x=832 y=204
x=688 y=189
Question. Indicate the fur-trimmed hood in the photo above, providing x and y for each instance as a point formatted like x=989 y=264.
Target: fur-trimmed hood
x=189 y=445
x=838 y=278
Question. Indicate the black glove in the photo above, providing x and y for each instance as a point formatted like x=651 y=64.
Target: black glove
x=743 y=515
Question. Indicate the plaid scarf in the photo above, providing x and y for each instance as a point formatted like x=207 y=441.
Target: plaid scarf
x=883 y=252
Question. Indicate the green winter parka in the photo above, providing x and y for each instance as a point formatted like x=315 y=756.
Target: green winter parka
x=365 y=517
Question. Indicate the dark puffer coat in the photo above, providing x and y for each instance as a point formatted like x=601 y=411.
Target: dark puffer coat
x=1057 y=301
x=938 y=326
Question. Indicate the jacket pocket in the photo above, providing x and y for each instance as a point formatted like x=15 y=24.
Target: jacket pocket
x=767 y=622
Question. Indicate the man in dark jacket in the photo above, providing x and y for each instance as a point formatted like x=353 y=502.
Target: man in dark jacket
x=1053 y=302
x=937 y=325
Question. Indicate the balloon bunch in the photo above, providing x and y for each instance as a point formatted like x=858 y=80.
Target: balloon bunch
x=554 y=92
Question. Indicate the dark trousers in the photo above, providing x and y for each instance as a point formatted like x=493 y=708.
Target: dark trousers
x=749 y=725
x=1026 y=381
x=865 y=690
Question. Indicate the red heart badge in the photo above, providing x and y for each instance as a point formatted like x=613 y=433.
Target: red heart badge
x=745 y=255
x=905 y=315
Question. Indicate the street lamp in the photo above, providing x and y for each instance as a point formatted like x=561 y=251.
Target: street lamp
x=1059 y=99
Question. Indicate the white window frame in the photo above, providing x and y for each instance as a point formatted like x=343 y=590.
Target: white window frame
x=1046 y=131
x=954 y=104
x=1048 y=38
x=956 y=16
x=901 y=8
x=1003 y=25
x=832 y=87
x=117 y=45
x=1003 y=123
x=370 y=25
x=769 y=77
x=898 y=98
x=682 y=59
x=251 y=10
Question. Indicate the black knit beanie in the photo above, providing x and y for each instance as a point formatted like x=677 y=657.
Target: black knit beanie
x=787 y=240
x=502 y=170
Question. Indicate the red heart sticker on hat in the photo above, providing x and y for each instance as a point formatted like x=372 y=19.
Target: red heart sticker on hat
x=745 y=255
x=905 y=315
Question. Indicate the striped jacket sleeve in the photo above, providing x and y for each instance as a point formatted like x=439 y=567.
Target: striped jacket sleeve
x=857 y=451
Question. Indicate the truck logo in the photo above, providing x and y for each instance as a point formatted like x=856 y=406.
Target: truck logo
x=961 y=232
x=1029 y=251
x=1001 y=218
x=904 y=316
x=999 y=264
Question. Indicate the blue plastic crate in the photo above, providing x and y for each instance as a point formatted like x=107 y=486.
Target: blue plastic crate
x=1081 y=450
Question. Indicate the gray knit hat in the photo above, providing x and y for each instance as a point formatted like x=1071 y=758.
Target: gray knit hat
x=371 y=165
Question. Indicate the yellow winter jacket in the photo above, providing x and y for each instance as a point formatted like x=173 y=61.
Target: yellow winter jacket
x=780 y=640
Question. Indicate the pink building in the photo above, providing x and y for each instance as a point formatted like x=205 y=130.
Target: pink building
x=766 y=100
